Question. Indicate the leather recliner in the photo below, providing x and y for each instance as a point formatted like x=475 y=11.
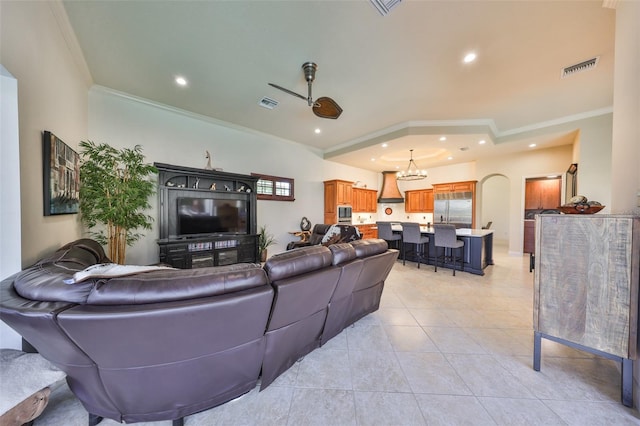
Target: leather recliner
x=154 y=346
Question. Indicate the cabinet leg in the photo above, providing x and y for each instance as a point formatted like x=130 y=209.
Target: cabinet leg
x=537 y=347
x=627 y=382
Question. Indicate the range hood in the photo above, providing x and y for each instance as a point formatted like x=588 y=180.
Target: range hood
x=390 y=192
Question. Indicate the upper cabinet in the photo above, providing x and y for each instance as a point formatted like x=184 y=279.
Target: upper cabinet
x=418 y=201
x=542 y=194
x=336 y=193
x=465 y=186
x=365 y=200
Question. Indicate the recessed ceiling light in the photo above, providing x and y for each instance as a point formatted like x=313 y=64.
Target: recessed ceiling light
x=373 y=159
x=443 y=138
x=317 y=131
x=532 y=145
x=469 y=57
x=449 y=158
x=384 y=145
x=181 y=81
x=482 y=142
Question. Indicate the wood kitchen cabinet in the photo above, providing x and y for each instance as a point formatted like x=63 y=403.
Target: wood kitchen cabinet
x=418 y=201
x=464 y=186
x=368 y=231
x=365 y=200
x=336 y=193
x=542 y=194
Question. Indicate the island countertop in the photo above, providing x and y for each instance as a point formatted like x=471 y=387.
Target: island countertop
x=461 y=232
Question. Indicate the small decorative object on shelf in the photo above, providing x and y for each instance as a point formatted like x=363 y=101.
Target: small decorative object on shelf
x=197 y=182
x=241 y=189
x=213 y=186
x=580 y=205
x=226 y=188
x=305 y=224
x=208 y=157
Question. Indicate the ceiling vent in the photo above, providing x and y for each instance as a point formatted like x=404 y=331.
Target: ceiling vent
x=384 y=6
x=268 y=103
x=582 y=66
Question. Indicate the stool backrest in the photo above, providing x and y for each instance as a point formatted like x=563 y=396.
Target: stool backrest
x=444 y=235
x=411 y=232
x=384 y=231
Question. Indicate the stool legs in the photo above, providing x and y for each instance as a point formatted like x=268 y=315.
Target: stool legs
x=451 y=255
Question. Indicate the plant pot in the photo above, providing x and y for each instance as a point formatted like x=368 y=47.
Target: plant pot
x=263 y=255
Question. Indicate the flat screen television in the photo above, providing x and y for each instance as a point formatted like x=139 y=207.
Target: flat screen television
x=201 y=216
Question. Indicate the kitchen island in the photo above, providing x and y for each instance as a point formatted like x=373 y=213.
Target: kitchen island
x=478 y=248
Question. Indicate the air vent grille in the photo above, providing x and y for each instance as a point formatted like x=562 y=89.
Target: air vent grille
x=580 y=67
x=268 y=103
x=385 y=6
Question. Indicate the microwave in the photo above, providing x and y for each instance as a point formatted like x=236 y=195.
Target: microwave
x=344 y=214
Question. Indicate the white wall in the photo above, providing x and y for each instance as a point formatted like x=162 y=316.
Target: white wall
x=10 y=259
x=625 y=179
x=168 y=135
x=516 y=168
x=494 y=203
x=52 y=95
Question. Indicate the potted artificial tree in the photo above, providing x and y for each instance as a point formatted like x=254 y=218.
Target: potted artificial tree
x=115 y=186
x=265 y=239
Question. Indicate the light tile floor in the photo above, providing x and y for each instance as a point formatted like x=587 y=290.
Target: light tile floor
x=441 y=350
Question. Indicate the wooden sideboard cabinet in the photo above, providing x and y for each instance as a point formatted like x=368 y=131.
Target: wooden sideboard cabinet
x=586 y=283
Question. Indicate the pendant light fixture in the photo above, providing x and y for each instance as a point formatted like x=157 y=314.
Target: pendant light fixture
x=412 y=172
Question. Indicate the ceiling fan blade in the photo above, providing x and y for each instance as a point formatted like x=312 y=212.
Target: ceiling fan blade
x=287 y=91
x=326 y=108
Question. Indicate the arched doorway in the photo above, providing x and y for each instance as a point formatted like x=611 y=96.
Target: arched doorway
x=493 y=206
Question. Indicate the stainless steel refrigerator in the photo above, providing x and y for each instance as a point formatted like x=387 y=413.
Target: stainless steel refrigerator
x=455 y=208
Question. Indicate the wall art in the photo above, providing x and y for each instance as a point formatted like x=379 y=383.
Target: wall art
x=61 y=176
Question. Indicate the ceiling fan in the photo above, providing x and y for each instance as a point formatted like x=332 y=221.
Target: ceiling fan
x=322 y=107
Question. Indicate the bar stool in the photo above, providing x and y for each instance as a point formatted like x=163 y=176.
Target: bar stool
x=411 y=235
x=385 y=232
x=445 y=236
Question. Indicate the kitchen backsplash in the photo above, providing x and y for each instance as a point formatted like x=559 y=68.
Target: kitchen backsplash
x=396 y=215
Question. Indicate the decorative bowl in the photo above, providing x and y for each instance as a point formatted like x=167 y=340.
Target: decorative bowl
x=581 y=209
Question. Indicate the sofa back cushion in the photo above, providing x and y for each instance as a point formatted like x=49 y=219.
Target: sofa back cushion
x=342 y=253
x=177 y=284
x=45 y=281
x=296 y=262
x=369 y=247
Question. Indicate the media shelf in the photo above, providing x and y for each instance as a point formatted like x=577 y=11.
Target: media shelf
x=209 y=251
x=223 y=243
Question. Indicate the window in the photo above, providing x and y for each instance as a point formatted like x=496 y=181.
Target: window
x=274 y=188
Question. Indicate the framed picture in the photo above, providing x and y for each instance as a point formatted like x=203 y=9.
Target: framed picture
x=61 y=173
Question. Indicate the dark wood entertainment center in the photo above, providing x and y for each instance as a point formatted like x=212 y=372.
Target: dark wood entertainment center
x=223 y=246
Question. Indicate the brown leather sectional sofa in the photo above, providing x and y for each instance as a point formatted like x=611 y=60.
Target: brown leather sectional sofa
x=165 y=344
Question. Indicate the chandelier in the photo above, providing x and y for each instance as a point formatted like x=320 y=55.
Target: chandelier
x=412 y=172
